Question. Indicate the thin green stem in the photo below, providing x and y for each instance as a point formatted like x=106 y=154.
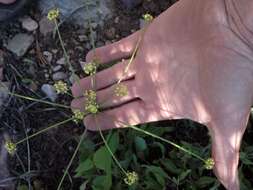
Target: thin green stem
x=63 y=47
x=72 y=159
x=108 y=147
x=38 y=100
x=44 y=130
x=167 y=141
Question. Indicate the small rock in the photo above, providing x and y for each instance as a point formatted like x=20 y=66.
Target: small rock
x=20 y=43
x=1 y=65
x=61 y=61
x=46 y=75
x=4 y=88
x=131 y=3
x=46 y=26
x=142 y=23
x=49 y=91
x=57 y=68
x=116 y=20
x=29 y=24
x=48 y=55
x=88 y=46
x=33 y=86
x=83 y=38
x=59 y=76
x=1 y=74
x=110 y=33
x=54 y=51
x=1 y=58
x=100 y=44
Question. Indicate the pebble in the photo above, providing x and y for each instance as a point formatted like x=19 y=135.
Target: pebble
x=59 y=76
x=1 y=65
x=46 y=26
x=20 y=43
x=61 y=61
x=1 y=58
x=57 y=68
x=48 y=55
x=1 y=74
x=29 y=24
x=82 y=38
x=116 y=20
x=100 y=44
x=110 y=33
x=131 y=3
x=4 y=87
x=49 y=91
x=142 y=23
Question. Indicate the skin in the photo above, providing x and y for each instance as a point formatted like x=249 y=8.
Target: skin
x=195 y=61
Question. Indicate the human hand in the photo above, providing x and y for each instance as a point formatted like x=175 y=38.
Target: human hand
x=192 y=63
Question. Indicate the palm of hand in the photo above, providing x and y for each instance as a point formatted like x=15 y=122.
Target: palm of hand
x=187 y=66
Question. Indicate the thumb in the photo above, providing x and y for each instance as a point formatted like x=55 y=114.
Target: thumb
x=226 y=140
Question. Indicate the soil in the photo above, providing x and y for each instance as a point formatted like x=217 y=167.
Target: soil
x=50 y=153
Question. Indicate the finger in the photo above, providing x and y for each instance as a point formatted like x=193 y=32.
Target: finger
x=107 y=98
x=105 y=78
x=113 y=52
x=133 y=113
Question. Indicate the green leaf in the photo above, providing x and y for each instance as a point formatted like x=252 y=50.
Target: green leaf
x=205 y=181
x=113 y=141
x=102 y=183
x=84 y=185
x=244 y=158
x=183 y=175
x=22 y=187
x=140 y=144
x=102 y=159
x=158 y=173
x=83 y=167
x=170 y=166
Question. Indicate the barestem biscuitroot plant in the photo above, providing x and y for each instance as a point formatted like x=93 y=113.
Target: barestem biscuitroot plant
x=92 y=107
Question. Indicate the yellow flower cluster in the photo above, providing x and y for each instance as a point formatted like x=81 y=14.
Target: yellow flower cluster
x=131 y=178
x=90 y=68
x=148 y=17
x=78 y=116
x=91 y=105
x=121 y=90
x=209 y=163
x=10 y=147
x=61 y=87
x=53 y=14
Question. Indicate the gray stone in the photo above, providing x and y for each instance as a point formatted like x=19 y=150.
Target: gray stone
x=83 y=38
x=1 y=58
x=49 y=91
x=48 y=55
x=98 y=10
x=57 y=68
x=46 y=26
x=1 y=65
x=29 y=24
x=131 y=3
x=142 y=23
x=20 y=43
x=4 y=88
x=110 y=33
x=59 y=76
x=61 y=61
